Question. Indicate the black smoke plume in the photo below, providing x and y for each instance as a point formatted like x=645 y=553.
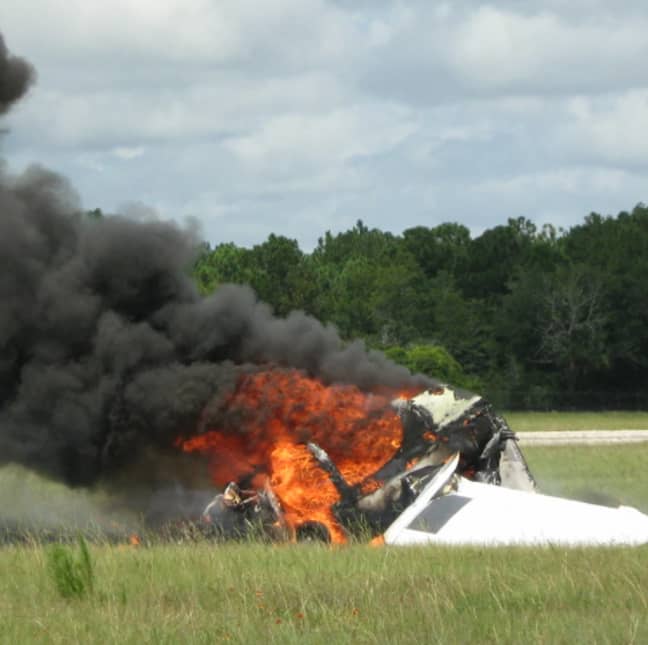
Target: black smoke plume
x=106 y=349
x=16 y=75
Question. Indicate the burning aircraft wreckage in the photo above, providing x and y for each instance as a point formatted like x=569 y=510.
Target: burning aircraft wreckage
x=438 y=466
x=114 y=372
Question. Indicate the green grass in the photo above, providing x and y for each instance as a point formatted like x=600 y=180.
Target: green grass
x=614 y=474
x=533 y=421
x=311 y=594
x=253 y=593
x=71 y=572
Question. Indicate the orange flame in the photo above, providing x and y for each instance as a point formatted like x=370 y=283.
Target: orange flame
x=268 y=420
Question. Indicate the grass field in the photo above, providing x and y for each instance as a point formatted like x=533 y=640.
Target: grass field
x=251 y=593
x=613 y=474
x=310 y=594
x=530 y=421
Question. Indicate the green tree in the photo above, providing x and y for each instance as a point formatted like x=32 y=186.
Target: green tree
x=615 y=250
x=442 y=248
x=226 y=263
x=572 y=334
x=433 y=361
x=371 y=285
x=498 y=253
x=463 y=325
x=276 y=265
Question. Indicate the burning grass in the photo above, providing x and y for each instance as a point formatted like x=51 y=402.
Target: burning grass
x=355 y=594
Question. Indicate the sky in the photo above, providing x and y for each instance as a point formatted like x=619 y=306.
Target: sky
x=295 y=117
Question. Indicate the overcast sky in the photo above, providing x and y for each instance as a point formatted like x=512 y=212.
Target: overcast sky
x=301 y=116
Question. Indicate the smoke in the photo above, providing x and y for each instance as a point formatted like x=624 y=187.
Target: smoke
x=107 y=352
x=16 y=75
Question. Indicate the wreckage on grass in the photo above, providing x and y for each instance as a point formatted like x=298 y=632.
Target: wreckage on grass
x=453 y=510
x=458 y=477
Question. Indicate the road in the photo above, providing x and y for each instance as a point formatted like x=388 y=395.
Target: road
x=583 y=437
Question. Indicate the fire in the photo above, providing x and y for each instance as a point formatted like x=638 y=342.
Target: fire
x=295 y=478
x=268 y=420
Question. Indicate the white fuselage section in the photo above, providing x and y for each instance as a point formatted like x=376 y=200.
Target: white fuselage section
x=472 y=513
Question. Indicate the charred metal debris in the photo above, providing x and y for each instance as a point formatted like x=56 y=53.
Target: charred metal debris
x=436 y=424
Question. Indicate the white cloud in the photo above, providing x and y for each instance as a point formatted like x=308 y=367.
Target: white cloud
x=327 y=138
x=225 y=104
x=213 y=31
x=574 y=180
x=91 y=163
x=509 y=49
x=612 y=129
x=547 y=50
x=307 y=114
x=127 y=153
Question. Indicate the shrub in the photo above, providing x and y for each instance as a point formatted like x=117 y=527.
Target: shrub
x=71 y=572
x=434 y=361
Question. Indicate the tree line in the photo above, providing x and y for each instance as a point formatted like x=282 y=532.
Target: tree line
x=536 y=318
